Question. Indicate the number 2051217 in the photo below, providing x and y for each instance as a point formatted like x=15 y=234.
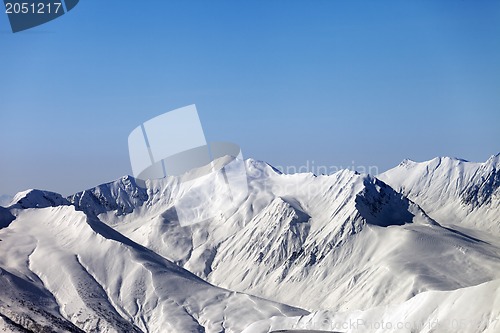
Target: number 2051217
x=33 y=8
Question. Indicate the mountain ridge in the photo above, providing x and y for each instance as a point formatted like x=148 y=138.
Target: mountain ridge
x=337 y=242
x=452 y=191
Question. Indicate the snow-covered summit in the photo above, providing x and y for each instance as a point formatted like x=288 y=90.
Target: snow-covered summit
x=121 y=196
x=290 y=230
x=451 y=190
x=37 y=199
x=339 y=242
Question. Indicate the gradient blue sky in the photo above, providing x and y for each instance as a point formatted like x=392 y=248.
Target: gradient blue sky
x=328 y=81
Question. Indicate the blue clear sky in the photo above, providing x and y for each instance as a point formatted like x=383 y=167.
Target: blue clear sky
x=328 y=81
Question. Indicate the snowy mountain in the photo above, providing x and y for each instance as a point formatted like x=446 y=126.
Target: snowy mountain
x=345 y=246
x=471 y=309
x=296 y=236
x=37 y=199
x=121 y=196
x=61 y=268
x=452 y=191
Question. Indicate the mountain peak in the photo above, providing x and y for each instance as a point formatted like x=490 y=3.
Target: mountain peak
x=407 y=163
x=494 y=160
x=437 y=160
x=253 y=165
x=34 y=198
x=122 y=195
x=452 y=190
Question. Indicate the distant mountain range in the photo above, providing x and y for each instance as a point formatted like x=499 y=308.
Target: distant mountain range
x=419 y=243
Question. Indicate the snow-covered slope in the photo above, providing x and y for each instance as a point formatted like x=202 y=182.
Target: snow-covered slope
x=37 y=199
x=58 y=264
x=339 y=242
x=472 y=309
x=30 y=199
x=452 y=191
x=120 y=196
x=25 y=306
x=117 y=258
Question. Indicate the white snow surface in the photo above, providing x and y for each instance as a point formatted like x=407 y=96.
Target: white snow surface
x=37 y=199
x=452 y=191
x=347 y=247
x=339 y=242
x=471 y=309
x=100 y=281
